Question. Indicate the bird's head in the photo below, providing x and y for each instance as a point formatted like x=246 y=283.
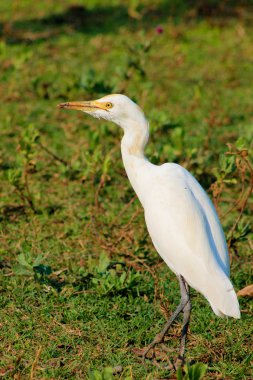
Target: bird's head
x=116 y=108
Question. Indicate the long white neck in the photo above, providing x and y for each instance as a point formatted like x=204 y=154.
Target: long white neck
x=135 y=139
x=132 y=149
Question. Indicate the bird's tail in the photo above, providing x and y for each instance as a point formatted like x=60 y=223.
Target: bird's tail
x=223 y=299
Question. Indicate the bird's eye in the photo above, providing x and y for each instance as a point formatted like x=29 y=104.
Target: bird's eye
x=108 y=105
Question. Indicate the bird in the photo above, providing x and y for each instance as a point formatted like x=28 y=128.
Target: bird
x=180 y=217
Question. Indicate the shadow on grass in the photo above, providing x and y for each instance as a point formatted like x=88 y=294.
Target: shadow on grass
x=108 y=19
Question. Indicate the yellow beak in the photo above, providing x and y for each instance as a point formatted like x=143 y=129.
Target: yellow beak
x=83 y=106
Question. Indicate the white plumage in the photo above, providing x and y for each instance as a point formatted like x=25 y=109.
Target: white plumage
x=181 y=219
x=186 y=232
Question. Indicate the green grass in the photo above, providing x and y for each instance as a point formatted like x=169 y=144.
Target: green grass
x=81 y=284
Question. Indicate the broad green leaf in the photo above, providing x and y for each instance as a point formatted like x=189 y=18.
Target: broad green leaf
x=21 y=270
x=108 y=373
x=22 y=261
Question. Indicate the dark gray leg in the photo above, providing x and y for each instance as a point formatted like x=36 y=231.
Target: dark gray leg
x=184 y=306
x=186 y=321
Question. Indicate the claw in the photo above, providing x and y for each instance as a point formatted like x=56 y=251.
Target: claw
x=184 y=306
x=156 y=356
x=146 y=351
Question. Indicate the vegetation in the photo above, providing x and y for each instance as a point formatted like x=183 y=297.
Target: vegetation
x=81 y=284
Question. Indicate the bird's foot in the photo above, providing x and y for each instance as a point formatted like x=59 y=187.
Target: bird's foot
x=151 y=347
x=157 y=356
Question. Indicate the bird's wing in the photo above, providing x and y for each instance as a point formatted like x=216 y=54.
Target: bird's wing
x=187 y=216
x=208 y=209
x=186 y=232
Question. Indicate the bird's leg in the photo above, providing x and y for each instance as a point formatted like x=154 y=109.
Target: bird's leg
x=185 y=293
x=182 y=305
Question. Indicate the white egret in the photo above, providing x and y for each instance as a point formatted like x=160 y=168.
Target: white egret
x=181 y=219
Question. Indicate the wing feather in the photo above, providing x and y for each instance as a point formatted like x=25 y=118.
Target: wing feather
x=186 y=231
x=208 y=214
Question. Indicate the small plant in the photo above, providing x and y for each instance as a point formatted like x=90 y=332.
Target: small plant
x=192 y=372
x=108 y=374
x=110 y=278
x=239 y=234
x=94 y=85
x=105 y=374
x=27 y=267
x=25 y=166
x=43 y=274
x=235 y=169
x=134 y=69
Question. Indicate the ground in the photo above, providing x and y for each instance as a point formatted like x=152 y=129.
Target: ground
x=81 y=284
